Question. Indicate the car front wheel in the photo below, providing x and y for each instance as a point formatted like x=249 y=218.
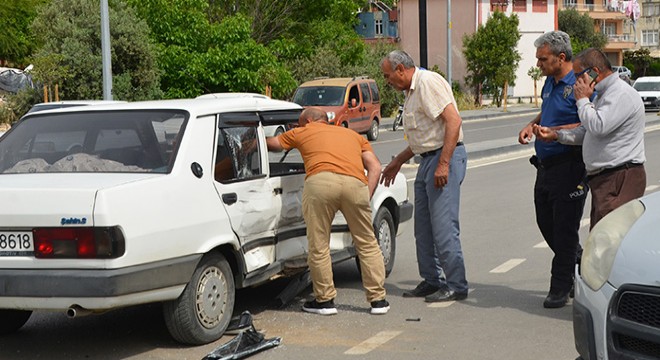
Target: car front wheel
x=202 y=312
x=12 y=320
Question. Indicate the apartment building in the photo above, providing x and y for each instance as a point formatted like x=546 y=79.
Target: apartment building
x=610 y=19
x=648 y=27
x=536 y=17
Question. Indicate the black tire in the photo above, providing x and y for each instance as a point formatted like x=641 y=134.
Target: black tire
x=344 y=124
x=397 y=122
x=372 y=135
x=12 y=320
x=386 y=237
x=213 y=283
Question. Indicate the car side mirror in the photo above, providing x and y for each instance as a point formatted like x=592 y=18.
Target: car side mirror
x=353 y=102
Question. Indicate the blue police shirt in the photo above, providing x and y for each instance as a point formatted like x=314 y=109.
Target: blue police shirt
x=558 y=108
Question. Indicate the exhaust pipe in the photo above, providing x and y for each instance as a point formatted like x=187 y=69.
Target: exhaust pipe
x=76 y=311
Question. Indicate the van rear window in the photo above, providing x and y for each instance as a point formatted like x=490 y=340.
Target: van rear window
x=320 y=96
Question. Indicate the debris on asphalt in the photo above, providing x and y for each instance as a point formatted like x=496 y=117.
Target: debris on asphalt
x=248 y=340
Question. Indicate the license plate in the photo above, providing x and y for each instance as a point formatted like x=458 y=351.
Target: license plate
x=16 y=243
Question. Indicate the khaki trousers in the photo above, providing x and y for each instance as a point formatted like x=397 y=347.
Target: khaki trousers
x=324 y=194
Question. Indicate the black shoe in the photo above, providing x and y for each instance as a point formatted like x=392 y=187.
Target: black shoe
x=380 y=307
x=321 y=308
x=423 y=289
x=571 y=294
x=446 y=295
x=556 y=300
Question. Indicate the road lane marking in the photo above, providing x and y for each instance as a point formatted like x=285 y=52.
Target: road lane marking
x=507 y=266
x=541 y=245
x=651 y=188
x=372 y=343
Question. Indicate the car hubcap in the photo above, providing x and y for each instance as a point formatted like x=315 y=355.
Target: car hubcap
x=385 y=240
x=211 y=297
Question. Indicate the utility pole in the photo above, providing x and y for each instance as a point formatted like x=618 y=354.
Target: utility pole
x=449 y=42
x=105 y=51
x=423 y=31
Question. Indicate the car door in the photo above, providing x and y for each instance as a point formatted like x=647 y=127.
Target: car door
x=356 y=115
x=244 y=189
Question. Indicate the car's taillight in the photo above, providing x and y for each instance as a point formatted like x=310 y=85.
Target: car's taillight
x=78 y=242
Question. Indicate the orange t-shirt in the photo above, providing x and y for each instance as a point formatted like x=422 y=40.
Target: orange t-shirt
x=328 y=148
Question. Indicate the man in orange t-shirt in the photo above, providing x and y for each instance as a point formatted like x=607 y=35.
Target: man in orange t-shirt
x=335 y=161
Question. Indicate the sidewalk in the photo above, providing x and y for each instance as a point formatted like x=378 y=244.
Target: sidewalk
x=496 y=147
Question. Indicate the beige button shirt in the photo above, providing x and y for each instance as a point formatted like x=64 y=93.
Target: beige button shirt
x=426 y=99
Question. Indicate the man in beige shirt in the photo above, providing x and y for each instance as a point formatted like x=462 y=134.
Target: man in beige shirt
x=433 y=129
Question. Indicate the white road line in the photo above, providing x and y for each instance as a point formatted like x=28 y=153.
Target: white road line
x=372 y=343
x=651 y=188
x=507 y=266
x=542 y=245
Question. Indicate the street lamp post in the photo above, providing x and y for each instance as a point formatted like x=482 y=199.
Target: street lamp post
x=105 y=51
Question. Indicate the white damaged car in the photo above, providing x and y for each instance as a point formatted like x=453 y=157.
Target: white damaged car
x=173 y=201
x=616 y=310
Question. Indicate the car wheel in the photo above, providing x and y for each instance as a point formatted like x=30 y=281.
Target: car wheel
x=203 y=311
x=372 y=135
x=344 y=124
x=12 y=320
x=386 y=237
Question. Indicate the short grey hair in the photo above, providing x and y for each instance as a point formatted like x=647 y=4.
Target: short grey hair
x=397 y=57
x=593 y=57
x=558 y=41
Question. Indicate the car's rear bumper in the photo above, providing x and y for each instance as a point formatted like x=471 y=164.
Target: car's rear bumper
x=95 y=288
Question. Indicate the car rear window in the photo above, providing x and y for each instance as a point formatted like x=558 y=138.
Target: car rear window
x=647 y=86
x=94 y=141
x=319 y=96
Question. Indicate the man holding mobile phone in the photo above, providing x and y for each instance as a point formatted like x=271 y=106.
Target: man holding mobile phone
x=611 y=134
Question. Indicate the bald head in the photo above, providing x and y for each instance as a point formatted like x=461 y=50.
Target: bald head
x=312 y=114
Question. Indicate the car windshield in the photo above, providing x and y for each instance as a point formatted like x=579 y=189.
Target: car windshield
x=319 y=96
x=647 y=86
x=94 y=141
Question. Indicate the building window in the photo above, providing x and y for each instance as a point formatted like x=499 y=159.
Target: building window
x=540 y=6
x=589 y=4
x=379 y=27
x=651 y=10
x=570 y=4
x=609 y=30
x=519 y=5
x=650 y=38
x=498 y=5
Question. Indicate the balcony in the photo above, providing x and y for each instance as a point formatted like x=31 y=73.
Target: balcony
x=620 y=41
x=596 y=11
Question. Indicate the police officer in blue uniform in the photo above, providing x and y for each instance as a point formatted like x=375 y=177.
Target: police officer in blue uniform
x=560 y=189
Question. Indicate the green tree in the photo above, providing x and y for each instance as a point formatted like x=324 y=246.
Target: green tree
x=72 y=30
x=638 y=61
x=536 y=74
x=16 y=40
x=198 y=56
x=491 y=56
x=580 y=27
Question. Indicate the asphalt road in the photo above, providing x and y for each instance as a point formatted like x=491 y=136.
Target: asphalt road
x=503 y=318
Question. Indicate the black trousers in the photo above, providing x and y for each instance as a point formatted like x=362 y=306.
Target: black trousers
x=560 y=192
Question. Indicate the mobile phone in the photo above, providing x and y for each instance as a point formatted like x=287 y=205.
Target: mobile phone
x=590 y=71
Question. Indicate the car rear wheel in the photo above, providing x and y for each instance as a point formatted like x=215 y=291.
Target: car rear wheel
x=386 y=237
x=203 y=311
x=373 y=131
x=12 y=320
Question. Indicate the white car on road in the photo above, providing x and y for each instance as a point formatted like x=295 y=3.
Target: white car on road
x=616 y=311
x=174 y=201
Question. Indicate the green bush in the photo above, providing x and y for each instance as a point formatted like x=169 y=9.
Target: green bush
x=16 y=105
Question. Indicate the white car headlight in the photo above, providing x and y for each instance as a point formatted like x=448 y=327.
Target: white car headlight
x=331 y=115
x=603 y=243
